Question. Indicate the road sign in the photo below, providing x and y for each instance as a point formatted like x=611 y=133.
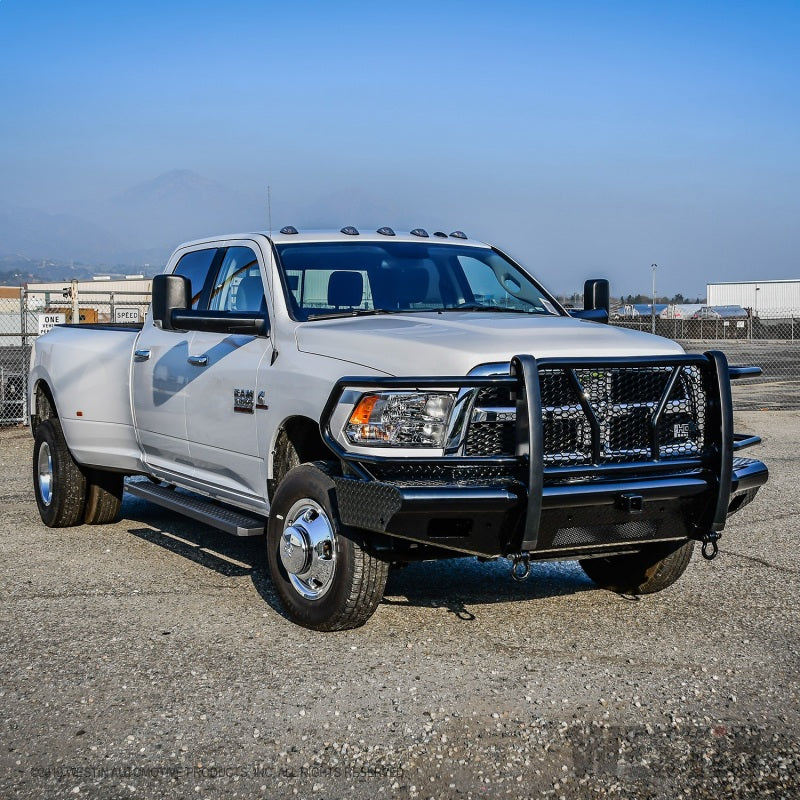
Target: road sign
x=49 y=321
x=126 y=314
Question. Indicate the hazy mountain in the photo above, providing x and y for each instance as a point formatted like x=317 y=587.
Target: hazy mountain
x=15 y=270
x=346 y=207
x=171 y=188
x=174 y=207
x=36 y=234
x=140 y=225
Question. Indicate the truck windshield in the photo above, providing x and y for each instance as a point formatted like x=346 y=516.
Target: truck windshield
x=325 y=279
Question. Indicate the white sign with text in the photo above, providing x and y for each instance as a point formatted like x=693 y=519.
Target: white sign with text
x=48 y=321
x=126 y=314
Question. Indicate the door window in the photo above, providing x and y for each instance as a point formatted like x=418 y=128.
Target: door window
x=238 y=286
x=195 y=266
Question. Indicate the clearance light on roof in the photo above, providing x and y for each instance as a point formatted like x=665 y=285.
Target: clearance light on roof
x=350 y=230
x=289 y=229
x=385 y=231
x=458 y=235
x=419 y=232
x=440 y=234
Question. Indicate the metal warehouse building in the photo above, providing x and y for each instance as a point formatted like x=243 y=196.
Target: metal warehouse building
x=765 y=299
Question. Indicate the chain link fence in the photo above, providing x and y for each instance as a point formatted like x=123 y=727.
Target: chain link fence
x=33 y=313
x=14 y=356
x=771 y=343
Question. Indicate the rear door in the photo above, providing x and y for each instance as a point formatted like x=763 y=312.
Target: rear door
x=160 y=376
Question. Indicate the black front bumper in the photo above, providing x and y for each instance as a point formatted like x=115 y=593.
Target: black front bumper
x=548 y=512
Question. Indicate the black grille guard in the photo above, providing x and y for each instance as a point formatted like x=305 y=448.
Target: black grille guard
x=711 y=473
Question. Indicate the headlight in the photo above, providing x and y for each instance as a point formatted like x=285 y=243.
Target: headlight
x=400 y=419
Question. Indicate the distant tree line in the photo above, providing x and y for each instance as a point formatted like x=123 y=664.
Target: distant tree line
x=677 y=299
x=576 y=299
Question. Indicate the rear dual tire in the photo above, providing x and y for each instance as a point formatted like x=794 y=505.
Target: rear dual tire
x=103 y=496
x=655 y=567
x=59 y=484
x=67 y=494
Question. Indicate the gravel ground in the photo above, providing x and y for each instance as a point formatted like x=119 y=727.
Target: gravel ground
x=148 y=659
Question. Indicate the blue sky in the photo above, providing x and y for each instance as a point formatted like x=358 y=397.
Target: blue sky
x=586 y=139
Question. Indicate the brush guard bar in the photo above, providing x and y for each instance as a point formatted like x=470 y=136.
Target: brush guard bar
x=714 y=477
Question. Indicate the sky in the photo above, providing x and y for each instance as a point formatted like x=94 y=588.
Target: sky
x=586 y=139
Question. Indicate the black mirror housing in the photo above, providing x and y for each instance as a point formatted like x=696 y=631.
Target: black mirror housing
x=247 y=323
x=596 y=301
x=170 y=293
x=597 y=295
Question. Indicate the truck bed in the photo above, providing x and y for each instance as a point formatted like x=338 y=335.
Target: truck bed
x=88 y=368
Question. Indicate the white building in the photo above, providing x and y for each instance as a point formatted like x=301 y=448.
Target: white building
x=765 y=299
x=106 y=299
x=97 y=289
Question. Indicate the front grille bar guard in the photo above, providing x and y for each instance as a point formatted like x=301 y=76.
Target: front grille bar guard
x=523 y=381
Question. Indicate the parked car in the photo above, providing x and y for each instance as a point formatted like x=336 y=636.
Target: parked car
x=720 y=312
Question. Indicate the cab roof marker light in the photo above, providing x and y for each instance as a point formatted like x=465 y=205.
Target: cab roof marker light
x=385 y=231
x=440 y=234
x=420 y=232
x=350 y=230
x=459 y=235
x=288 y=229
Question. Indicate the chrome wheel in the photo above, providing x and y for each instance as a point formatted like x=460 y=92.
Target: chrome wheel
x=308 y=549
x=325 y=577
x=45 y=470
x=58 y=482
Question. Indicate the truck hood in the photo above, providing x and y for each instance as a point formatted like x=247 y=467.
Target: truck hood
x=455 y=342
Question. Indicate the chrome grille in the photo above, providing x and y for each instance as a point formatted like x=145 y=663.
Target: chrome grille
x=601 y=415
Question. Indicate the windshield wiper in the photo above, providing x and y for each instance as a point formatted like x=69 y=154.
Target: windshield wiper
x=356 y=312
x=471 y=307
x=369 y=312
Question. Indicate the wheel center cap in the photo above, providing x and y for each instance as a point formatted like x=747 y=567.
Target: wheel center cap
x=295 y=550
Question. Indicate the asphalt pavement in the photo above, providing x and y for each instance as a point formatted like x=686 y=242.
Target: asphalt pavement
x=149 y=659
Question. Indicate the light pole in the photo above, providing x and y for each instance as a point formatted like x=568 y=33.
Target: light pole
x=653 y=307
x=755 y=312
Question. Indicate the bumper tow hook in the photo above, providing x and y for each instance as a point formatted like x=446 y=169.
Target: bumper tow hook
x=710 y=547
x=520 y=566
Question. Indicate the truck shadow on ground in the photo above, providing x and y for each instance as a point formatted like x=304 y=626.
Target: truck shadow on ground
x=460 y=583
x=455 y=585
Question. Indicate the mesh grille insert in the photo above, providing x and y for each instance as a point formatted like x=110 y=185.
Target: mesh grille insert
x=618 y=414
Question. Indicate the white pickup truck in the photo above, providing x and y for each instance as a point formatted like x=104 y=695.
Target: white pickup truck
x=369 y=399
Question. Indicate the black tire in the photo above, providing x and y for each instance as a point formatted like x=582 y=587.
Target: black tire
x=655 y=567
x=284 y=459
x=351 y=580
x=58 y=483
x=103 y=496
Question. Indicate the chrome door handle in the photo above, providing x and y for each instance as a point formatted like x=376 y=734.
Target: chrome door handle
x=141 y=355
x=198 y=361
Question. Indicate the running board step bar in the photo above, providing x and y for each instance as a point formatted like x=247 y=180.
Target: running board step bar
x=198 y=508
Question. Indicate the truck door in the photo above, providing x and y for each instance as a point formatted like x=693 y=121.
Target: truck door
x=223 y=419
x=160 y=375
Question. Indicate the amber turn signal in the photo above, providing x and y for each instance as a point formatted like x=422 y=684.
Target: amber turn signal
x=363 y=411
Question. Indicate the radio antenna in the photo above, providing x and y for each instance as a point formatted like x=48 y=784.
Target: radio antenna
x=269 y=209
